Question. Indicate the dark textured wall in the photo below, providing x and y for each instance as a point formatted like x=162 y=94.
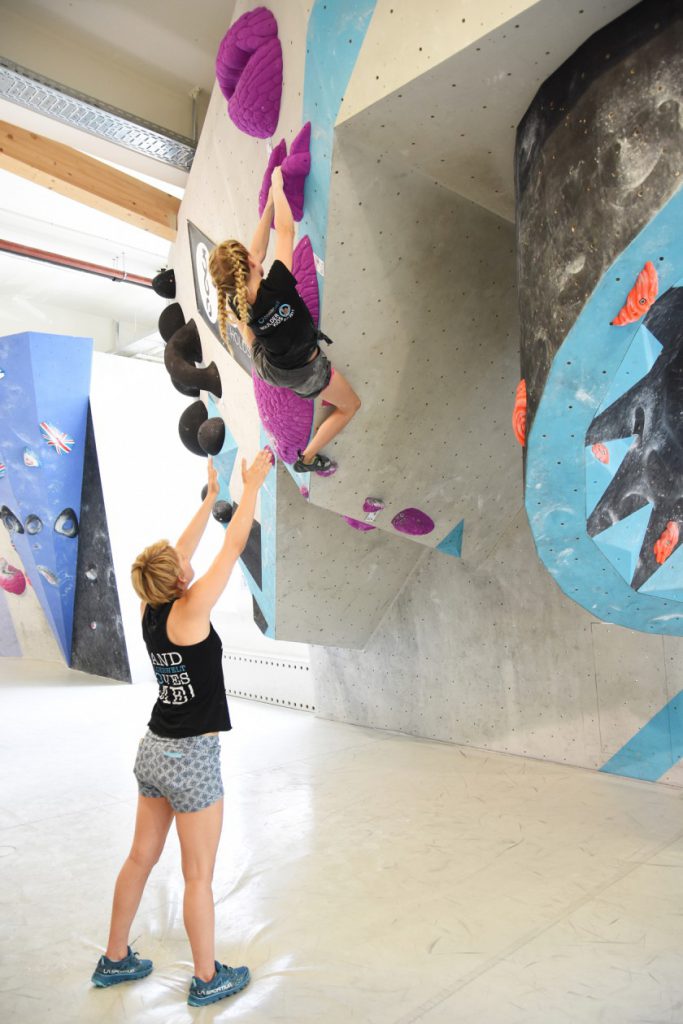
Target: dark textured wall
x=599 y=152
x=99 y=644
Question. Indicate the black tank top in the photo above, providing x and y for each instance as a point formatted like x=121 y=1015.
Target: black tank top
x=192 y=697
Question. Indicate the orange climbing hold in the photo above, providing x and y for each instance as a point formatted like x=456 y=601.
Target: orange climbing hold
x=601 y=453
x=640 y=298
x=519 y=413
x=668 y=540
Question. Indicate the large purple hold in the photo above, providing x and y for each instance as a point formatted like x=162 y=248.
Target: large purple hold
x=242 y=39
x=412 y=521
x=249 y=72
x=303 y=268
x=286 y=417
x=295 y=168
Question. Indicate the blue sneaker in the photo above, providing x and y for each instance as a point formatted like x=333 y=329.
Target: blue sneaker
x=225 y=982
x=112 y=972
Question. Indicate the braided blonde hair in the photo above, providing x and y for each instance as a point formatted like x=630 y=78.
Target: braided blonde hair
x=229 y=269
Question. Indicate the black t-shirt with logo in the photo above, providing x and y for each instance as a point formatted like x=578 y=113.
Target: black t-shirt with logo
x=281 y=320
x=192 y=697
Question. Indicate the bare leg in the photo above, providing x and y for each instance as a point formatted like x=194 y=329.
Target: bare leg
x=199 y=833
x=346 y=402
x=153 y=821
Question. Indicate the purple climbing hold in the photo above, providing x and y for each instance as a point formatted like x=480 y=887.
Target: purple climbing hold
x=304 y=492
x=295 y=168
x=241 y=40
x=275 y=159
x=287 y=418
x=358 y=525
x=413 y=522
x=249 y=72
x=303 y=268
x=371 y=506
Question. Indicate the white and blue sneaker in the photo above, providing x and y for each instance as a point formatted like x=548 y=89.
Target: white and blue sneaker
x=112 y=972
x=225 y=982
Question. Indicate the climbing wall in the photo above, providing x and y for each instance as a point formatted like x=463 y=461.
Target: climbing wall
x=495 y=654
x=602 y=326
x=409 y=207
x=52 y=543
x=45 y=386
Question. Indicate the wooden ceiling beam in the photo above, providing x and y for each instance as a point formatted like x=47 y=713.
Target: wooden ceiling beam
x=80 y=177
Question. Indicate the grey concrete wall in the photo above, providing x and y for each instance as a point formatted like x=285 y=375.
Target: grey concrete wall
x=421 y=302
x=499 y=659
x=334 y=584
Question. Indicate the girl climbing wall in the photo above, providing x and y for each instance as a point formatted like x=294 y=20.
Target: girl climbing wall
x=275 y=322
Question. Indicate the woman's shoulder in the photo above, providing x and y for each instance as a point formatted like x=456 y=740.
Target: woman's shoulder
x=278 y=274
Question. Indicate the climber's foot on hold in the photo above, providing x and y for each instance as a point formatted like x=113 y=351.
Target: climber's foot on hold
x=319 y=464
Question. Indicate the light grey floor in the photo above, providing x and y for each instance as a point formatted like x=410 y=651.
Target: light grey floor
x=363 y=876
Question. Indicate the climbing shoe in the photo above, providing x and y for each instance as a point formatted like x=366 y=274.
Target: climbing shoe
x=112 y=972
x=319 y=464
x=225 y=982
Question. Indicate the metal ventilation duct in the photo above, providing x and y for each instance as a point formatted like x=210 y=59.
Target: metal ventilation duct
x=42 y=95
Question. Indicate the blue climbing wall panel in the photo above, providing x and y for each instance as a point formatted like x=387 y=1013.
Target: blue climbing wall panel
x=44 y=387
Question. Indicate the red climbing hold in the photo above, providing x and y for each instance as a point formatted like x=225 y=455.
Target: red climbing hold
x=668 y=539
x=640 y=298
x=519 y=413
x=601 y=453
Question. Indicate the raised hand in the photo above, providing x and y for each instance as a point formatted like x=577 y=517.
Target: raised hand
x=213 y=484
x=259 y=469
x=276 y=178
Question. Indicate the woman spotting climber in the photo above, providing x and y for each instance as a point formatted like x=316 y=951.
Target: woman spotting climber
x=178 y=766
x=276 y=324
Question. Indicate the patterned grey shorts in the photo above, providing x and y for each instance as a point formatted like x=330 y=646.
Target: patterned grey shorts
x=307 y=381
x=187 y=772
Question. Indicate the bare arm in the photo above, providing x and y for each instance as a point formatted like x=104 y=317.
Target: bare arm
x=193 y=532
x=284 y=222
x=259 y=243
x=202 y=595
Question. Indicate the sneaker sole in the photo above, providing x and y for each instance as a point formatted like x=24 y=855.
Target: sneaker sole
x=111 y=980
x=219 y=995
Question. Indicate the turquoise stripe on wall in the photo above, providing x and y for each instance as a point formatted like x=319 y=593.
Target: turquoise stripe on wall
x=655 y=749
x=335 y=35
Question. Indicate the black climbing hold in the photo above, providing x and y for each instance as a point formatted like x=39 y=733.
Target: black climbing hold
x=222 y=511
x=184 y=344
x=183 y=350
x=164 y=283
x=188 y=392
x=205 y=491
x=188 y=425
x=171 y=320
x=211 y=435
x=66 y=523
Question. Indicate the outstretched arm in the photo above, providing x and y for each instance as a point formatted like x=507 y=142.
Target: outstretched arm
x=202 y=595
x=284 y=222
x=259 y=243
x=192 y=534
